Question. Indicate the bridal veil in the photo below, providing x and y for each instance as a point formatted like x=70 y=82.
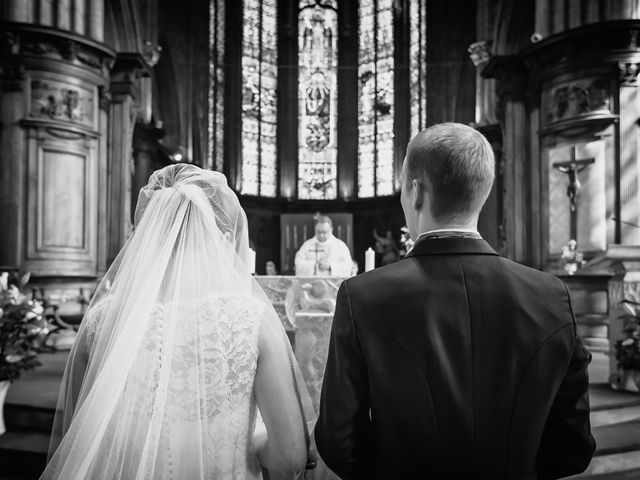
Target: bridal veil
x=160 y=381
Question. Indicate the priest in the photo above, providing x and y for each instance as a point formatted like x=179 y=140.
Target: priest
x=324 y=254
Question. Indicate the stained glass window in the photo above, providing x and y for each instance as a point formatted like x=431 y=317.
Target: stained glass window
x=375 y=98
x=259 y=109
x=417 y=66
x=215 y=158
x=318 y=99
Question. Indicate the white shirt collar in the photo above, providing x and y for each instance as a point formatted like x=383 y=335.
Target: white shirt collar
x=438 y=230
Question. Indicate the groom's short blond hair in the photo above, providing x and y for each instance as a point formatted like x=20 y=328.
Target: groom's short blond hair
x=459 y=164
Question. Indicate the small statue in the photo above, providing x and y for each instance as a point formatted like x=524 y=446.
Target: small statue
x=571 y=258
x=387 y=247
x=405 y=241
x=270 y=268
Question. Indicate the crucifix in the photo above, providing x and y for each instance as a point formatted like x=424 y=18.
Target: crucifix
x=572 y=168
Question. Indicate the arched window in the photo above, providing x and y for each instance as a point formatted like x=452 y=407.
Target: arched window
x=259 y=109
x=318 y=99
x=390 y=97
x=375 y=98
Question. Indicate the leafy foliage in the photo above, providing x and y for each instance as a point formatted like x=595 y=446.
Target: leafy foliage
x=628 y=348
x=22 y=327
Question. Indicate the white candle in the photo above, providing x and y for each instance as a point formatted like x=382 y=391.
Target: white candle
x=251 y=261
x=369 y=259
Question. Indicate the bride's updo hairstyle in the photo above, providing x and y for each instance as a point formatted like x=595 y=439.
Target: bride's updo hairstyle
x=188 y=179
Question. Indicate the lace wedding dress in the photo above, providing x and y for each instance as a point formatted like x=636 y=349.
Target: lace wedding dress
x=178 y=351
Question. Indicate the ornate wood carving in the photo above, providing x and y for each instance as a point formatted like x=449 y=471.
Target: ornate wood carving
x=58 y=100
x=629 y=73
x=576 y=98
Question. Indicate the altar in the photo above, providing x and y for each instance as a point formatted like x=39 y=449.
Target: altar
x=305 y=306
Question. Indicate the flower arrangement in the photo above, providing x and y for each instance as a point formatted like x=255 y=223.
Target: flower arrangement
x=628 y=348
x=406 y=244
x=22 y=327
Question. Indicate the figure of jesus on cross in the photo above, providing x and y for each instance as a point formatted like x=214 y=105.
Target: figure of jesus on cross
x=572 y=168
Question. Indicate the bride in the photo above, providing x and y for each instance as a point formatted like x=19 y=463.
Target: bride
x=179 y=350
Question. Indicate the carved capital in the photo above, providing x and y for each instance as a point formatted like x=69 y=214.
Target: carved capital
x=480 y=52
x=510 y=74
x=629 y=73
x=151 y=54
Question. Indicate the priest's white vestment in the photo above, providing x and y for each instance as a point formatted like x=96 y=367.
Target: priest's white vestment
x=333 y=252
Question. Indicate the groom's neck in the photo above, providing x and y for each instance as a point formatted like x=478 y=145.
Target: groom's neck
x=429 y=224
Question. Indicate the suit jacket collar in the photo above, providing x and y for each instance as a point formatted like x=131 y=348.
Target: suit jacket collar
x=451 y=246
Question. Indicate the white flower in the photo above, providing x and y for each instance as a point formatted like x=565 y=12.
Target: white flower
x=627 y=342
x=4 y=278
x=38 y=308
x=31 y=315
x=13 y=358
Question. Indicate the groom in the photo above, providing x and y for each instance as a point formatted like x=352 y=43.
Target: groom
x=453 y=363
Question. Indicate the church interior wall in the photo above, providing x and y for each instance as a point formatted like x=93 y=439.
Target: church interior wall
x=159 y=97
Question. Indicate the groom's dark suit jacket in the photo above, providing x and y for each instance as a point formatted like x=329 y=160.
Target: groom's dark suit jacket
x=454 y=363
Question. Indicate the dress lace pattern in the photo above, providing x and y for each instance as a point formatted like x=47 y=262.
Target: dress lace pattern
x=192 y=387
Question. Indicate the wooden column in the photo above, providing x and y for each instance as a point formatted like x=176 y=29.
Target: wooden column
x=123 y=111
x=510 y=76
x=629 y=142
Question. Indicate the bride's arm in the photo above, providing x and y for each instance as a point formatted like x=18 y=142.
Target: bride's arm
x=280 y=399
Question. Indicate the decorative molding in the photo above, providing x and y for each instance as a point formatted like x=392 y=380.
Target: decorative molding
x=589 y=46
x=58 y=129
x=51 y=43
x=629 y=73
x=480 y=52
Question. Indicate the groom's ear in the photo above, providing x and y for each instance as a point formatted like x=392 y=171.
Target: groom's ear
x=418 y=191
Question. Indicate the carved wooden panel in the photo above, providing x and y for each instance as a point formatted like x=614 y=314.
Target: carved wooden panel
x=62 y=202
x=576 y=98
x=62 y=193
x=591 y=200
